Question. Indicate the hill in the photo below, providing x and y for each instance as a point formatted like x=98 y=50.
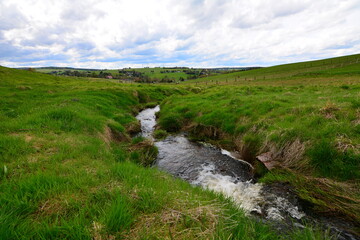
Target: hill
x=308 y=72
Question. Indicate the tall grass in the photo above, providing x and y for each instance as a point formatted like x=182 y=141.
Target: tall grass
x=119 y=216
x=12 y=147
x=330 y=162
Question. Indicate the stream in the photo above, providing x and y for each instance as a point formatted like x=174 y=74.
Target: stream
x=219 y=170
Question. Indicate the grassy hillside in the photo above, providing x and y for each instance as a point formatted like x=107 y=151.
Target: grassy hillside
x=306 y=122
x=69 y=169
x=311 y=72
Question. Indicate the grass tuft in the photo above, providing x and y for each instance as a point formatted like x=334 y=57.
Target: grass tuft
x=170 y=123
x=160 y=134
x=119 y=216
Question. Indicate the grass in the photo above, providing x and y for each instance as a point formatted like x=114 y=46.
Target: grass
x=143 y=151
x=63 y=143
x=331 y=163
x=70 y=170
x=160 y=134
x=119 y=216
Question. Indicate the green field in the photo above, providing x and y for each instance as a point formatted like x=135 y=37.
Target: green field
x=155 y=74
x=70 y=170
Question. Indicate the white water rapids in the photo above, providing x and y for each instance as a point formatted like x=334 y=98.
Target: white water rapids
x=247 y=195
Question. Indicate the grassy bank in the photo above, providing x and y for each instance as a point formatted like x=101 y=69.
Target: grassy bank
x=309 y=127
x=69 y=169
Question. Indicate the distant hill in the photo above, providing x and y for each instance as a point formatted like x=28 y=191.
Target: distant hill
x=146 y=74
x=331 y=67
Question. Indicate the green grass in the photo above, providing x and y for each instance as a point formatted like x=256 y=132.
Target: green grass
x=160 y=134
x=60 y=138
x=12 y=147
x=69 y=169
x=331 y=163
x=119 y=216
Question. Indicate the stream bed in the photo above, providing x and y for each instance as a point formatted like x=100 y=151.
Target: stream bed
x=216 y=169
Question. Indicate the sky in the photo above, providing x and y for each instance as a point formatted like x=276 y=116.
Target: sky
x=194 y=33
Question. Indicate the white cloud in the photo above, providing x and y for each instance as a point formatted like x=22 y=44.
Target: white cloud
x=118 y=33
x=10 y=17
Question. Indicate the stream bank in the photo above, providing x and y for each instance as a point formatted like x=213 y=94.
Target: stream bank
x=218 y=170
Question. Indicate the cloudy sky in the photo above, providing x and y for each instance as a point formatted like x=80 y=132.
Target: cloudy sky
x=197 y=33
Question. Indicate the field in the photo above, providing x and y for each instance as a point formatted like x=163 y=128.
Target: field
x=150 y=74
x=69 y=168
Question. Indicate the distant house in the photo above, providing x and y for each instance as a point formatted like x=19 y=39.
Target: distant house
x=109 y=77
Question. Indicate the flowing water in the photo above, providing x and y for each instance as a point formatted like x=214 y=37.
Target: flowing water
x=147 y=119
x=218 y=170
x=211 y=168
